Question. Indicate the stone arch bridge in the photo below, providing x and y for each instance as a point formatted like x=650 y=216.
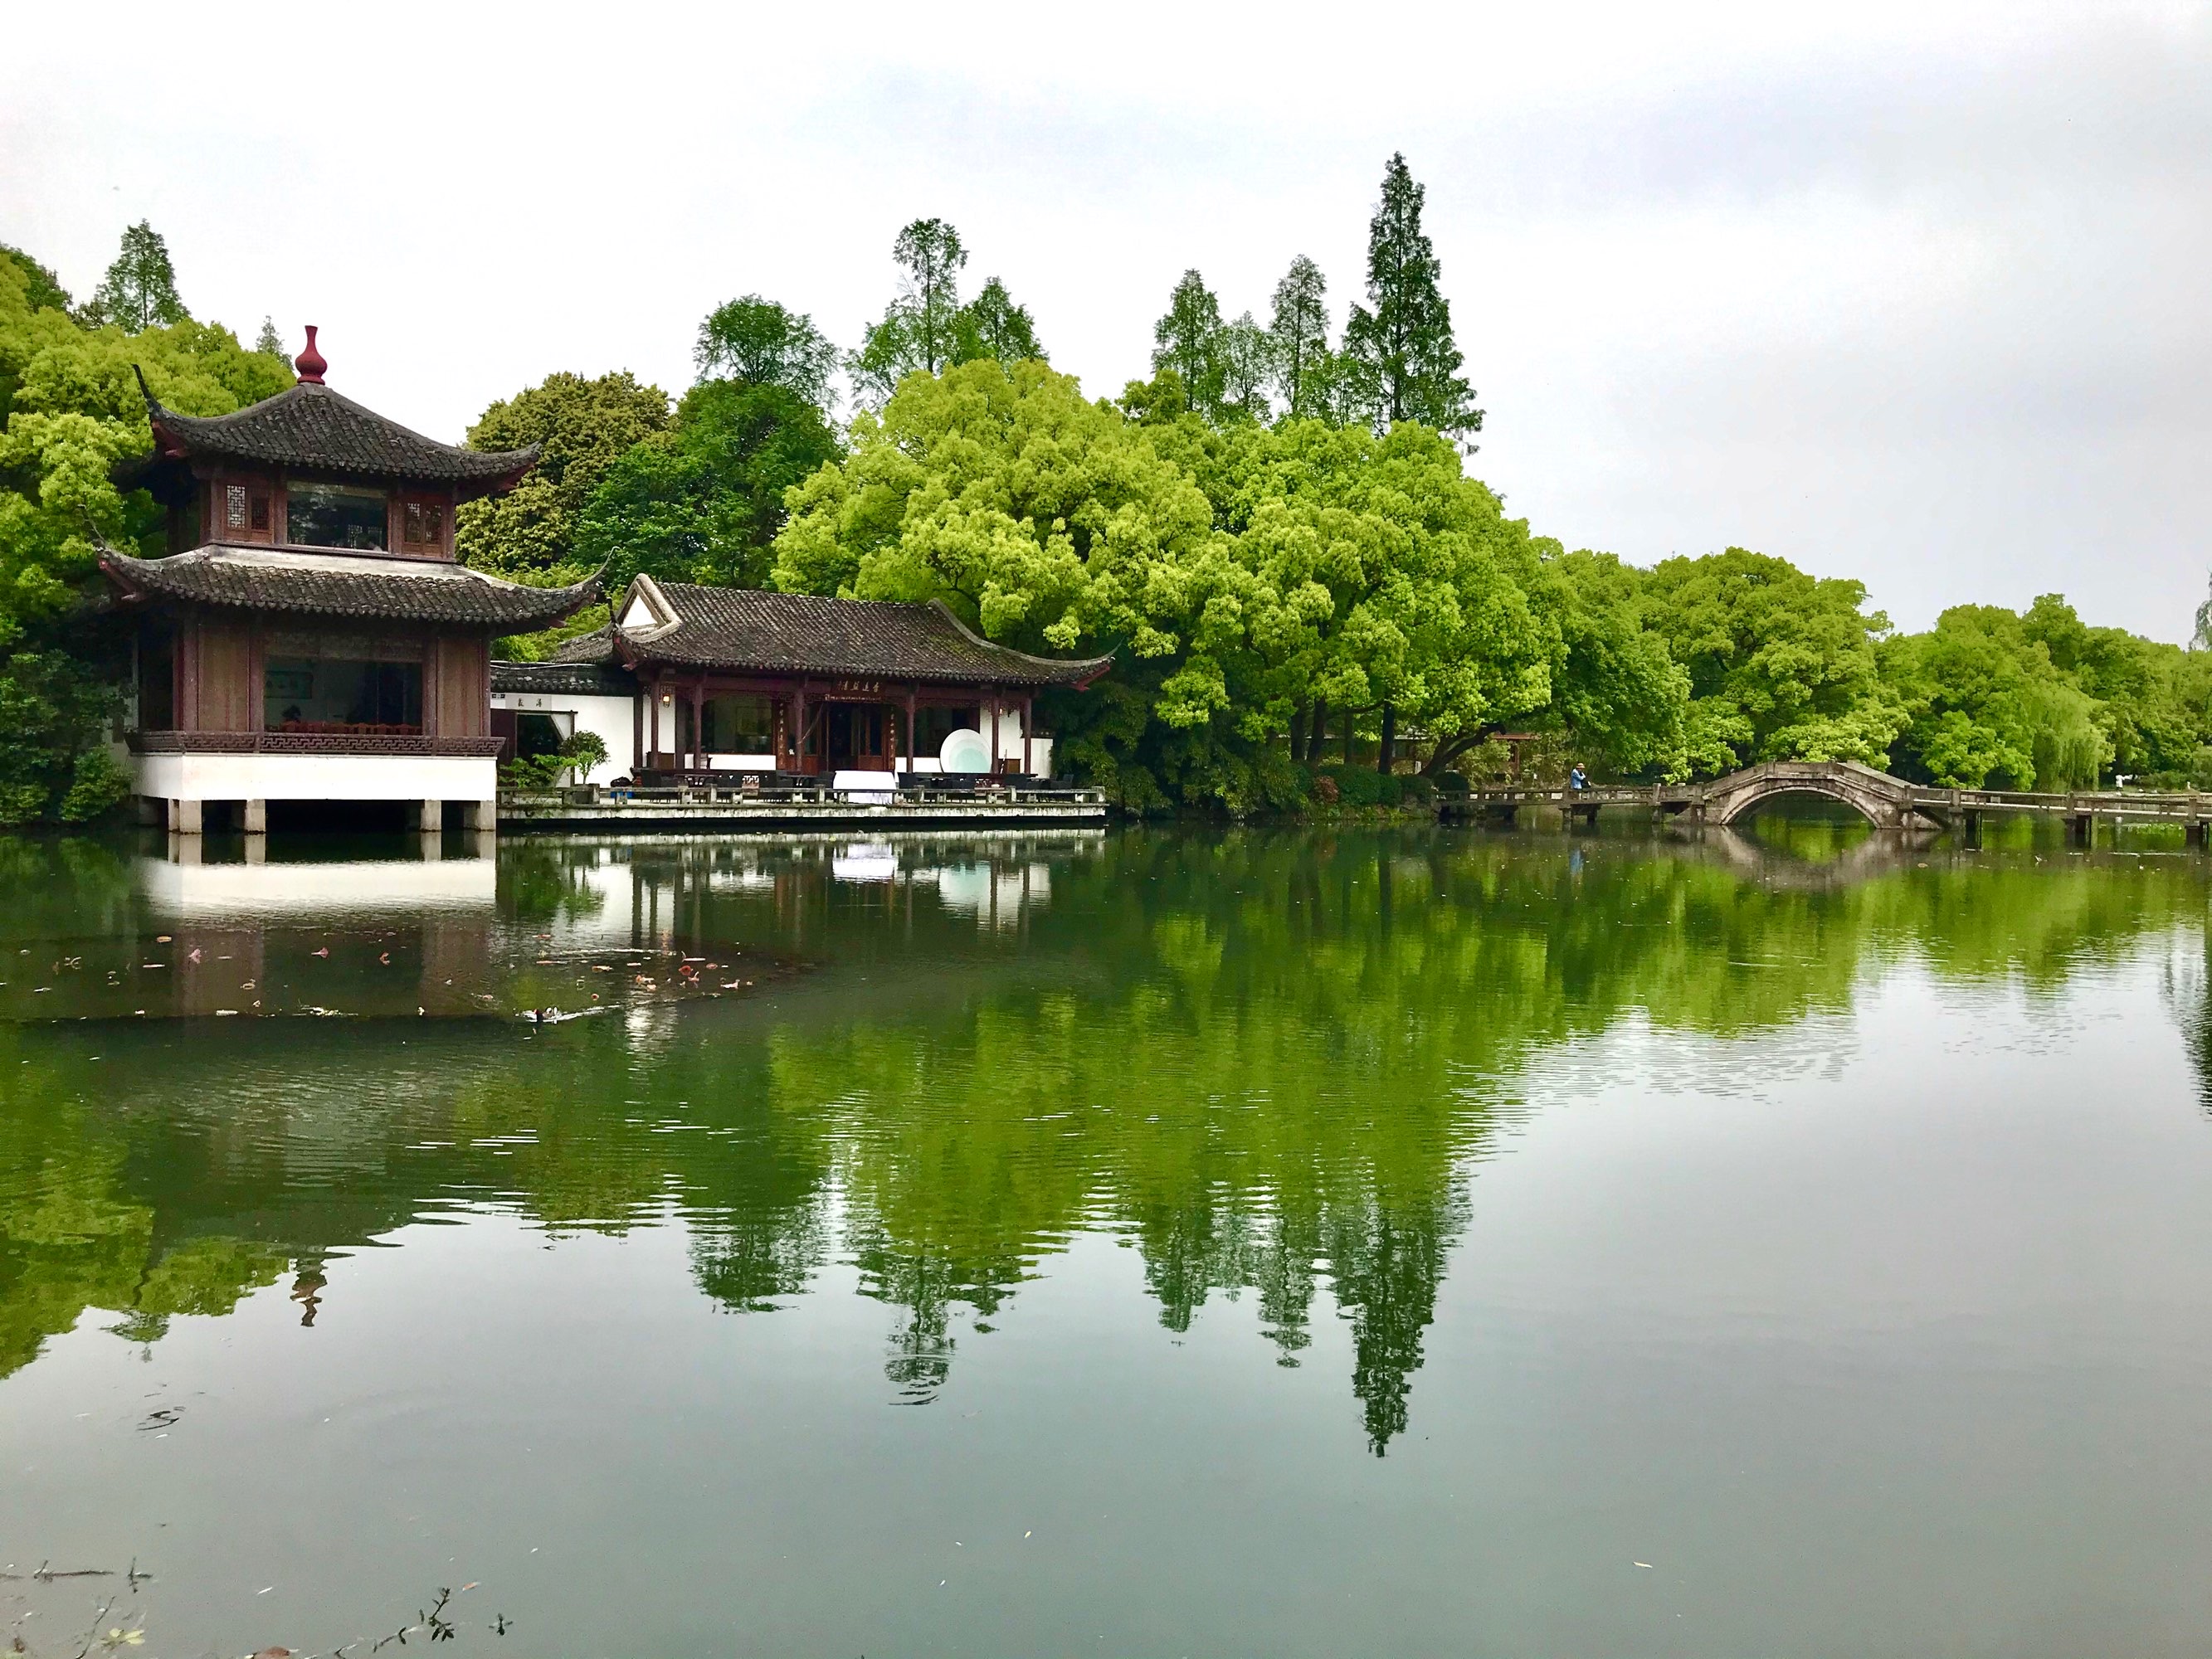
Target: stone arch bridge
x=1884 y=801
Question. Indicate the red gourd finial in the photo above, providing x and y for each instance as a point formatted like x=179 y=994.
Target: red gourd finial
x=310 y=362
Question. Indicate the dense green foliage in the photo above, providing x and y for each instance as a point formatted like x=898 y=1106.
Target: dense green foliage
x=42 y=289
x=1245 y=573
x=1275 y=537
x=582 y=428
x=1781 y=665
x=760 y=341
x=69 y=409
x=702 y=501
x=2040 y=701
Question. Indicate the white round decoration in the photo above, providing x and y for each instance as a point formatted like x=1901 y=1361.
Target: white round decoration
x=964 y=750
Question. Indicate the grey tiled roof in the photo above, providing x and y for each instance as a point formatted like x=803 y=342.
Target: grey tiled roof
x=346 y=585
x=586 y=679
x=314 y=428
x=745 y=627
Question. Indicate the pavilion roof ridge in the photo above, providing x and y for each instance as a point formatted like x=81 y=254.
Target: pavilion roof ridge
x=703 y=626
x=310 y=428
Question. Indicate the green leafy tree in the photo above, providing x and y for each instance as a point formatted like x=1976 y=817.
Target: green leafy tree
x=2043 y=700
x=1035 y=513
x=761 y=341
x=1987 y=705
x=582 y=427
x=1619 y=701
x=1781 y=665
x=585 y=751
x=71 y=408
x=1366 y=580
x=1401 y=361
x=42 y=289
x=1299 y=327
x=993 y=326
x=704 y=501
x=268 y=340
x=140 y=290
x=1243 y=574
x=1188 y=340
x=921 y=330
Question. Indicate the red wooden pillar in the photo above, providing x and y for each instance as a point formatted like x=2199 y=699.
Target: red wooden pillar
x=698 y=730
x=637 y=734
x=1028 y=702
x=995 y=766
x=798 y=729
x=910 y=750
x=654 y=754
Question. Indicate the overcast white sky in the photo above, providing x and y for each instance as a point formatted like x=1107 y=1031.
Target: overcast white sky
x=1918 y=293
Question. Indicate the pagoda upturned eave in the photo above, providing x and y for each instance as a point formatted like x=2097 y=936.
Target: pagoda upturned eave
x=310 y=429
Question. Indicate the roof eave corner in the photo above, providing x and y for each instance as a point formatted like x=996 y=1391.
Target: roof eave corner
x=167 y=445
x=579 y=595
x=114 y=566
x=1098 y=666
x=498 y=483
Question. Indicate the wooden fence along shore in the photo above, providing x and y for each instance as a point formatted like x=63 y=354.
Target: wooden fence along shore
x=706 y=802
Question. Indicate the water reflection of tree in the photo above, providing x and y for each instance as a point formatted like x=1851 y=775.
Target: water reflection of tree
x=1266 y=1061
x=2186 y=985
x=545 y=881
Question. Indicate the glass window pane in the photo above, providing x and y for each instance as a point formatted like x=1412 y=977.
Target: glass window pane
x=335 y=515
x=328 y=694
x=740 y=725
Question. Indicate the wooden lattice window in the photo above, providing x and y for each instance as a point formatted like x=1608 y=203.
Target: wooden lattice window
x=423 y=524
x=234 y=507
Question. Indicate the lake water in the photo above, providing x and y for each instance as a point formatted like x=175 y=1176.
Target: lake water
x=1161 y=1244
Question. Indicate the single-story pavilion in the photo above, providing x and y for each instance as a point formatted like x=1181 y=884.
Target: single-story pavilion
x=690 y=679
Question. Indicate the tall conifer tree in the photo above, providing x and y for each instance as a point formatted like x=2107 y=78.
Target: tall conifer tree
x=140 y=290
x=1189 y=340
x=992 y=325
x=1300 y=328
x=1404 y=363
x=922 y=330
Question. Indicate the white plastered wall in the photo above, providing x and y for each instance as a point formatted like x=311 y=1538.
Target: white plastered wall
x=611 y=717
x=1010 y=744
x=317 y=777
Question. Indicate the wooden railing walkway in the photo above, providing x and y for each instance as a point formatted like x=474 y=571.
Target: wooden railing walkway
x=1887 y=802
x=703 y=802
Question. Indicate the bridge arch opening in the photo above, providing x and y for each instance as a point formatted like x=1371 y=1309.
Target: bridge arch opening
x=1803 y=799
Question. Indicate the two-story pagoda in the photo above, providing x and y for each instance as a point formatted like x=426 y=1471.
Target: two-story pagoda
x=310 y=636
